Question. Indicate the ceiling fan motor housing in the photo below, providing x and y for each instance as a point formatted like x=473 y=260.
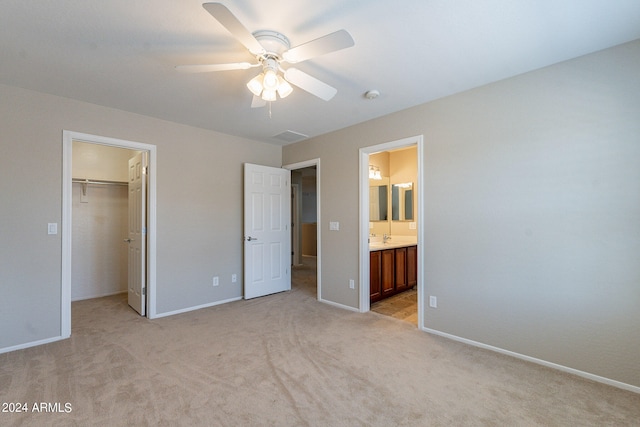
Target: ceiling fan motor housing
x=269 y=63
x=274 y=43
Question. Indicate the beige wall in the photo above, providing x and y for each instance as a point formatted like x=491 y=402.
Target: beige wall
x=101 y=162
x=532 y=200
x=199 y=207
x=404 y=168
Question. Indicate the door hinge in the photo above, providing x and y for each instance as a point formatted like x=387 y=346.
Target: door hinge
x=145 y=170
x=144 y=291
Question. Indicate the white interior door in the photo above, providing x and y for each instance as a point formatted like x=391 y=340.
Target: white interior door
x=137 y=233
x=267 y=235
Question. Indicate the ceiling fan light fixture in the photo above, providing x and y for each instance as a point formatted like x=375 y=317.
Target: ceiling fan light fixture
x=255 y=84
x=268 y=83
x=270 y=80
x=284 y=88
x=269 y=95
x=271 y=48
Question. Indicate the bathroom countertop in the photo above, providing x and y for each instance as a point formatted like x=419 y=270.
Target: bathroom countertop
x=393 y=243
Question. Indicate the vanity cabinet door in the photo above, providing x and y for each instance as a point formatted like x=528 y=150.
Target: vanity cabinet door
x=387 y=272
x=401 y=269
x=375 y=276
x=412 y=266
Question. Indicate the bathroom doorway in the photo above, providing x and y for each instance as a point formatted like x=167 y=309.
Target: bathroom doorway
x=395 y=232
x=305 y=233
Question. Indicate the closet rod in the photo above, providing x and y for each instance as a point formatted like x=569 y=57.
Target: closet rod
x=98 y=181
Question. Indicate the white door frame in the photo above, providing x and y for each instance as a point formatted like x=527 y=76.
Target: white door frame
x=302 y=165
x=418 y=141
x=67 y=157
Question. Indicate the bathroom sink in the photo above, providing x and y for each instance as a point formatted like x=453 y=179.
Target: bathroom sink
x=393 y=242
x=378 y=245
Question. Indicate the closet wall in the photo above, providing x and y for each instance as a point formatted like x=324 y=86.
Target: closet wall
x=99 y=221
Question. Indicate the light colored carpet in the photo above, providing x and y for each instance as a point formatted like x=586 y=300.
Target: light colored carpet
x=288 y=360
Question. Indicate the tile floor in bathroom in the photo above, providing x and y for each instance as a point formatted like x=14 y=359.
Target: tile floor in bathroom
x=403 y=306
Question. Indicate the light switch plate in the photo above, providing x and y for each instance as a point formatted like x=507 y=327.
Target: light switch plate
x=52 y=228
x=334 y=225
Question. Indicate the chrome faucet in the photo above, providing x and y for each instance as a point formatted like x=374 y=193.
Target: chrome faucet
x=385 y=237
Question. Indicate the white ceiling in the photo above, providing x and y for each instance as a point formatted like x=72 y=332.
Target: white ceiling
x=122 y=53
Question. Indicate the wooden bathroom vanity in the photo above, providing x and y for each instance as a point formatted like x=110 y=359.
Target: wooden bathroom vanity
x=392 y=269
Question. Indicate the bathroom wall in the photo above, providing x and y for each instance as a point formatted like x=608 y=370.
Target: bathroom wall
x=381 y=161
x=403 y=166
x=396 y=166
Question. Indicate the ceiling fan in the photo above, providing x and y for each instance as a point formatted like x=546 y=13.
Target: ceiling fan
x=272 y=49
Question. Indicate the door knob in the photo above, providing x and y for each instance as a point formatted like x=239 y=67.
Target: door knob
x=127 y=240
x=249 y=238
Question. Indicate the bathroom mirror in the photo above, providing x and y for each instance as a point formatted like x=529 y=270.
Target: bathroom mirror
x=402 y=201
x=379 y=200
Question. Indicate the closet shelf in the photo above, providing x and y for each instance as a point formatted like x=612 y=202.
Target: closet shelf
x=98 y=182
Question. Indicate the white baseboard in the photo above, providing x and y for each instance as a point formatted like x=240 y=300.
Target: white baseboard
x=552 y=365
x=197 y=307
x=335 y=304
x=31 y=344
x=108 y=294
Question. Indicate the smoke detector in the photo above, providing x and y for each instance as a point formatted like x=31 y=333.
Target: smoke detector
x=372 y=94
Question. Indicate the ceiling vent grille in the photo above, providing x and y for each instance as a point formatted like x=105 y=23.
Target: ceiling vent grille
x=290 y=136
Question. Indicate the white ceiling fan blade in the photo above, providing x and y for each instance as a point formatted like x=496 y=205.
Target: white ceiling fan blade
x=206 y=68
x=330 y=43
x=234 y=26
x=310 y=84
x=258 y=102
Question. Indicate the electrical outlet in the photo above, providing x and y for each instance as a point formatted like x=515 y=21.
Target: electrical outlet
x=433 y=302
x=234 y=278
x=352 y=284
x=215 y=281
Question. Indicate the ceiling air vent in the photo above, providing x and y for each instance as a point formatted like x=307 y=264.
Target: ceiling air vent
x=290 y=136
